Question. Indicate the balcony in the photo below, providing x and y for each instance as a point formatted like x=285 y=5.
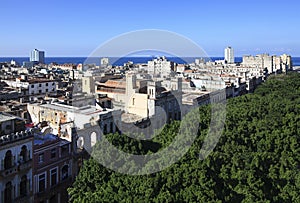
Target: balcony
x=25 y=165
x=26 y=198
x=10 y=171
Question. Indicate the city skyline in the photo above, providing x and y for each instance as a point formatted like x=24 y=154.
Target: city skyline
x=77 y=29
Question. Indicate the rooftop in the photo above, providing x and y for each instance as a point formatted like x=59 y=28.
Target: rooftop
x=39 y=80
x=130 y=118
x=85 y=110
x=189 y=97
x=118 y=83
x=42 y=139
x=6 y=117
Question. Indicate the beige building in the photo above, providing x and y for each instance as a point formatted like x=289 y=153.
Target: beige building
x=139 y=97
x=144 y=102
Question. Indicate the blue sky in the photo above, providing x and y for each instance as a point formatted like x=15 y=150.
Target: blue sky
x=76 y=28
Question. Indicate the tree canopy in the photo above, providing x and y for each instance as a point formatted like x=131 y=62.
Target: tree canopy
x=257 y=158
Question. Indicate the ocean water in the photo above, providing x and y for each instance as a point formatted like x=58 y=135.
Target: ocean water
x=118 y=61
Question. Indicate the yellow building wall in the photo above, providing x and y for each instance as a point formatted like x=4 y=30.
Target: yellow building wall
x=138 y=104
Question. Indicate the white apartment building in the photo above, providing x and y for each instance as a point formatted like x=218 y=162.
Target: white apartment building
x=161 y=67
x=33 y=87
x=229 y=55
x=37 y=56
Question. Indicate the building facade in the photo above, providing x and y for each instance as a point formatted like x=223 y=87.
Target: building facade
x=33 y=88
x=161 y=67
x=229 y=55
x=16 y=163
x=90 y=122
x=53 y=168
x=37 y=56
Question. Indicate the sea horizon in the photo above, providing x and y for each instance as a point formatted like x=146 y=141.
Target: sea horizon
x=118 y=61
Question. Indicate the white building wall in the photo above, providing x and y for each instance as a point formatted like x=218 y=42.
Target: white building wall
x=42 y=88
x=229 y=55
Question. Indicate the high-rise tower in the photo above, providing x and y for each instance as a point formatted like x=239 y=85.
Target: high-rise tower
x=229 y=55
x=37 y=56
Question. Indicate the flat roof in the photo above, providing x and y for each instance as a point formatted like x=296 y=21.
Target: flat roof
x=129 y=118
x=86 y=110
x=192 y=95
x=39 y=80
x=6 y=117
x=41 y=139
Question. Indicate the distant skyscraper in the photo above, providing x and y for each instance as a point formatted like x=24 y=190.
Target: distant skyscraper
x=229 y=55
x=37 y=56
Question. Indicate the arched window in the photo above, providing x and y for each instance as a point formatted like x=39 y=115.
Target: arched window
x=65 y=172
x=23 y=186
x=8 y=193
x=8 y=160
x=80 y=142
x=93 y=138
x=23 y=154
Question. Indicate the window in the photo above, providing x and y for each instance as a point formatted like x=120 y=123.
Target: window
x=105 y=129
x=41 y=158
x=53 y=153
x=23 y=154
x=40 y=91
x=42 y=182
x=8 y=192
x=93 y=138
x=133 y=101
x=80 y=142
x=111 y=127
x=40 y=85
x=8 y=160
x=32 y=86
x=23 y=186
x=53 y=175
x=64 y=150
x=65 y=172
x=47 y=84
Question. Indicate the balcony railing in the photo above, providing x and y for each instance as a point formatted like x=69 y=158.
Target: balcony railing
x=21 y=166
x=10 y=171
x=25 y=198
x=24 y=165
